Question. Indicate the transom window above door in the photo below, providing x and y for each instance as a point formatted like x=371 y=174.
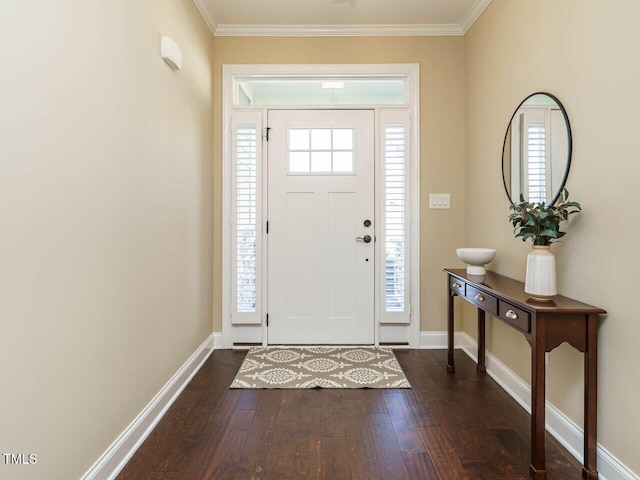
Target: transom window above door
x=313 y=151
x=340 y=90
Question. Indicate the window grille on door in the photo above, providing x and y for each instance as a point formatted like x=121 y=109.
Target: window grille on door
x=320 y=151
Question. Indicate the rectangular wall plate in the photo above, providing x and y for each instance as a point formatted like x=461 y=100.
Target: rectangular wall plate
x=439 y=200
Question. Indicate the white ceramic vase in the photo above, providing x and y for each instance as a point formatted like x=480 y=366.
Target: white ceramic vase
x=540 y=283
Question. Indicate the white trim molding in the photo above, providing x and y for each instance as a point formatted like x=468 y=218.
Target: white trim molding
x=206 y=15
x=438 y=340
x=217 y=340
x=565 y=430
x=417 y=30
x=473 y=14
x=373 y=30
x=113 y=460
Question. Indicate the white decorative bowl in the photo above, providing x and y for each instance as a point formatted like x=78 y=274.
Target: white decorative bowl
x=476 y=259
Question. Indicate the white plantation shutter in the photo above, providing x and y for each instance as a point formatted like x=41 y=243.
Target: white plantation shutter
x=246 y=228
x=395 y=213
x=531 y=141
x=536 y=162
x=246 y=218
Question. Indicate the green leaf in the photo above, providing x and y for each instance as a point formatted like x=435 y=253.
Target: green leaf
x=549 y=233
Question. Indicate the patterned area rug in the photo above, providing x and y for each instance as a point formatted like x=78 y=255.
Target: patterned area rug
x=326 y=367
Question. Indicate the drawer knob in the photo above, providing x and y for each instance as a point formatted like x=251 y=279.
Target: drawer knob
x=511 y=314
x=479 y=298
x=456 y=285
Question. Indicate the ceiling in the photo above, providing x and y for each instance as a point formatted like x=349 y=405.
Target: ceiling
x=340 y=17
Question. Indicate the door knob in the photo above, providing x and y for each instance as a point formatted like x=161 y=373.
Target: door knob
x=365 y=239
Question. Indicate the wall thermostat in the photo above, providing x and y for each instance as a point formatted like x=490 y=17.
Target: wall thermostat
x=171 y=53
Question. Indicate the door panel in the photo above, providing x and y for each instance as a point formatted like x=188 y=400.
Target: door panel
x=298 y=257
x=341 y=255
x=320 y=192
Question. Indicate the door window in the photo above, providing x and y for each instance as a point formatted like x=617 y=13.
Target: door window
x=323 y=151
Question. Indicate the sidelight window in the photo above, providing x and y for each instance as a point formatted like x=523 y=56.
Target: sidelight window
x=394 y=209
x=246 y=228
x=395 y=203
x=246 y=215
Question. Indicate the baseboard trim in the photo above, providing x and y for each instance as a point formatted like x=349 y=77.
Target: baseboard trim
x=567 y=432
x=217 y=340
x=122 y=449
x=438 y=340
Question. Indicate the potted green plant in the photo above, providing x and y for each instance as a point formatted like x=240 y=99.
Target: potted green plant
x=541 y=223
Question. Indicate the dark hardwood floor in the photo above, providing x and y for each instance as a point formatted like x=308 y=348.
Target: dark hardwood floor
x=447 y=427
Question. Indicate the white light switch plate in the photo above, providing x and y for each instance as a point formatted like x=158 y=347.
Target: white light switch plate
x=439 y=200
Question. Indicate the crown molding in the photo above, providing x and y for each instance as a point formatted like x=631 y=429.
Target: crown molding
x=410 y=30
x=473 y=14
x=206 y=15
x=338 y=30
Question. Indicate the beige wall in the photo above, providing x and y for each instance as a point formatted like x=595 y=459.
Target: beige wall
x=105 y=198
x=586 y=54
x=105 y=214
x=442 y=135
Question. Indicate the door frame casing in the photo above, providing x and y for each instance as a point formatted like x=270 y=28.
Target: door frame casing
x=408 y=71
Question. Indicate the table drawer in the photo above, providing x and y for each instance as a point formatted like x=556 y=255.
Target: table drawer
x=457 y=286
x=515 y=316
x=482 y=299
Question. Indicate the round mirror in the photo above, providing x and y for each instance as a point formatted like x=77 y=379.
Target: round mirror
x=536 y=154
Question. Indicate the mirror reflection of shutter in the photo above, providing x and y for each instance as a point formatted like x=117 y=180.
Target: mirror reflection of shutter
x=534 y=134
x=395 y=213
x=536 y=162
x=246 y=237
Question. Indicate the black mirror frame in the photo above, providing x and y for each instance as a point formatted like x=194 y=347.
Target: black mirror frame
x=569 y=150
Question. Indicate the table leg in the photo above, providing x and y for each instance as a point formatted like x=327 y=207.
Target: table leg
x=450 y=364
x=537 y=469
x=589 y=470
x=481 y=367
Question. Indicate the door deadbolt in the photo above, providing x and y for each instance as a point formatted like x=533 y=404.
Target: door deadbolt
x=367 y=223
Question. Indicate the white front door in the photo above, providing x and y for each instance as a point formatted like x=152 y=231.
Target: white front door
x=320 y=243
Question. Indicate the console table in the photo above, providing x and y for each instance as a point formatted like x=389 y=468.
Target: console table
x=545 y=325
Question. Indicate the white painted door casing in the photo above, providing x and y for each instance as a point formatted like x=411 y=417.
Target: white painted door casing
x=240 y=329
